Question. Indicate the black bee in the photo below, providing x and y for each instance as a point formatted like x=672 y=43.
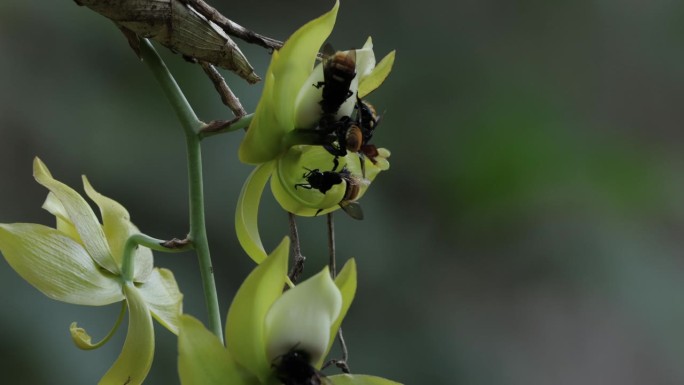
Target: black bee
x=339 y=69
x=353 y=134
x=346 y=133
x=294 y=368
x=325 y=180
x=359 y=133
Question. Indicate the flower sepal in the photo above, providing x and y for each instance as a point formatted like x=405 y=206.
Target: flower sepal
x=81 y=261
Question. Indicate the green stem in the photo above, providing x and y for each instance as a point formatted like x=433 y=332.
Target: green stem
x=155 y=244
x=111 y=331
x=139 y=239
x=191 y=125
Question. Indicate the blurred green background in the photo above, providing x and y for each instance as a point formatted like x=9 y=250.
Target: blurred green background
x=529 y=231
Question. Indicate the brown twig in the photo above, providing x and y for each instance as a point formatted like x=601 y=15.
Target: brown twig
x=298 y=265
x=342 y=363
x=227 y=96
x=231 y=27
x=176 y=243
x=217 y=126
x=332 y=265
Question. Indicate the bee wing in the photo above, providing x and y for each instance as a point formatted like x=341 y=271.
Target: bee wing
x=353 y=209
x=352 y=55
x=328 y=50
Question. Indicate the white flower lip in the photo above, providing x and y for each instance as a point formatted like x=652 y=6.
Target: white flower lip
x=302 y=317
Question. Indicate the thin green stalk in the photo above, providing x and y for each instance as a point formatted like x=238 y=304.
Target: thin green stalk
x=139 y=239
x=191 y=125
x=158 y=244
x=109 y=335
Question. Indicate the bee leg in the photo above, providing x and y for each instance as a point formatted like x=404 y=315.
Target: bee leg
x=336 y=163
x=337 y=151
x=362 y=158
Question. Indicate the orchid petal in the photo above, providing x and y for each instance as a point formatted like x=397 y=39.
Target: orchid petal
x=135 y=359
x=346 y=283
x=56 y=265
x=369 y=83
x=165 y=300
x=202 y=359
x=347 y=108
x=289 y=68
x=117 y=226
x=64 y=224
x=359 y=379
x=247 y=212
x=308 y=110
x=81 y=215
x=262 y=140
x=365 y=60
x=302 y=317
x=245 y=321
x=297 y=59
x=81 y=338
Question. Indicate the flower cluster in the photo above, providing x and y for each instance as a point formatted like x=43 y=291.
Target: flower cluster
x=310 y=136
x=311 y=179
x=271 y=336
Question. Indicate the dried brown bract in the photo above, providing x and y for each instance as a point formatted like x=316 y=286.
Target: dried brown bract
x=179 y=27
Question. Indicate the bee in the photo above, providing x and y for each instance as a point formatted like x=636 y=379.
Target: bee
x=325 y=180
x=367 y=118
x=339 y=69
x=347 y=133
x=358 y=135
x=294 y=368
x=353 y=134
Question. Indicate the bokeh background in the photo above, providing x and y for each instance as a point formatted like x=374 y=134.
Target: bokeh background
x=528 y=232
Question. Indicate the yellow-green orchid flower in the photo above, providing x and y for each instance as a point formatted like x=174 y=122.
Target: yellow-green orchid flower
x=290 y=101
x=82 y=262
x=264 y=323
